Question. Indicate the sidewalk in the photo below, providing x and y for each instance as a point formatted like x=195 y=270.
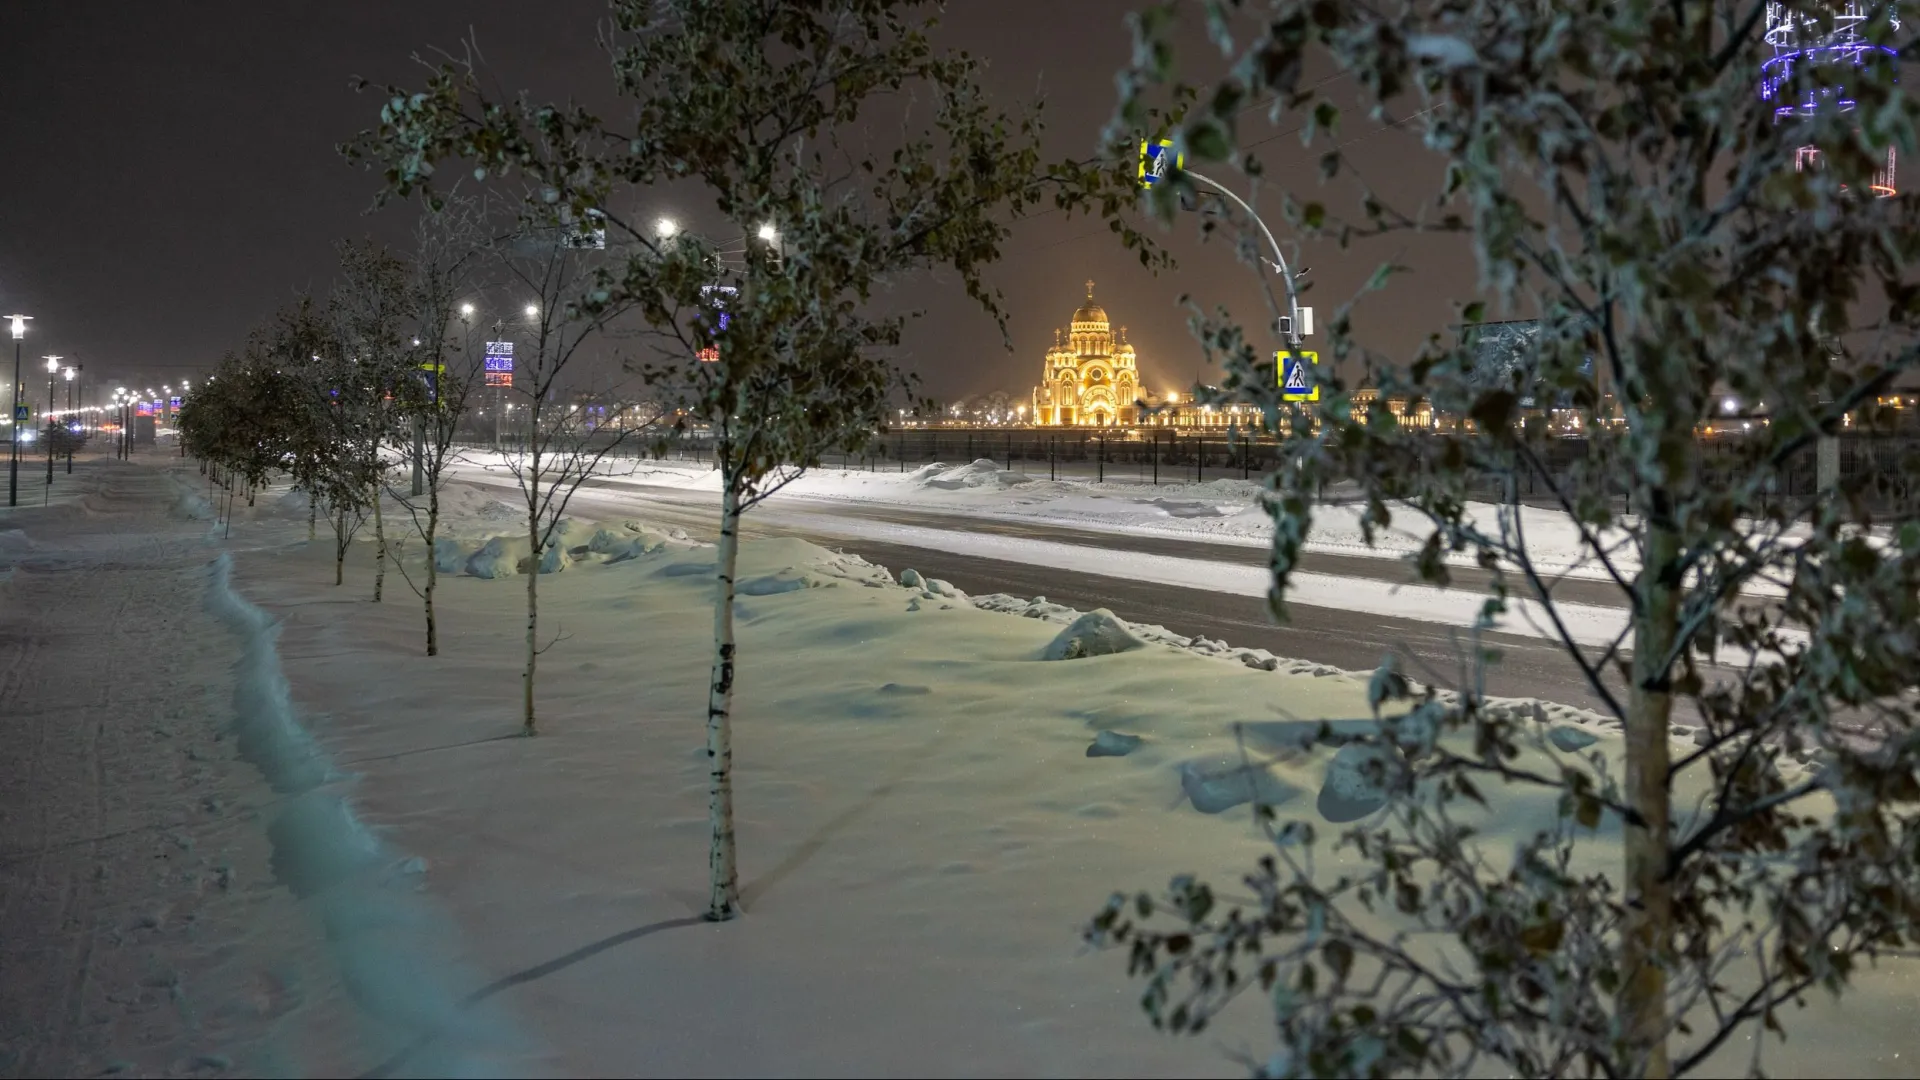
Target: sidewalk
x=141 y=929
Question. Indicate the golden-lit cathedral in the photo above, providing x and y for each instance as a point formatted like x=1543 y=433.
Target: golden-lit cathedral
x=1090 y=378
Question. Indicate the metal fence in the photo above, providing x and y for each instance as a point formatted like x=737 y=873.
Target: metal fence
x=1175 y=456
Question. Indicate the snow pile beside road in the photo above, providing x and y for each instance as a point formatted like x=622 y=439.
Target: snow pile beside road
x=1041 y=608
x=572 y=541
x=396 y=957
x=981 y=474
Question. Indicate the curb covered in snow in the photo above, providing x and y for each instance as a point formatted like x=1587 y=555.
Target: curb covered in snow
x=385 y=941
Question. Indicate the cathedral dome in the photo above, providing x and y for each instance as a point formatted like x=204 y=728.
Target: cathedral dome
x=1090 y=315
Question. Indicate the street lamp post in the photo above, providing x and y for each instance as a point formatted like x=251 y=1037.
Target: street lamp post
x=53 y=369
x=13 y=471
x=67 y=420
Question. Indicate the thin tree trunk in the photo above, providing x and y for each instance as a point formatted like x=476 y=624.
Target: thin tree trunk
x=340 y=546
x=1647 y=933
x=533 y=618
x=379 y=546
x=433 y=568
x=723 y=875
x=313 y=513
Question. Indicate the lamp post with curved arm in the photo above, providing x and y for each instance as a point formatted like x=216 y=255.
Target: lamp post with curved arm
x=1279 y=257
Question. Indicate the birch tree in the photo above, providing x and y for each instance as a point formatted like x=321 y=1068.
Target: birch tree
x=556 y=446
x=446 y=374
x=1626 y=173
x=375 y=315
x=843 y=148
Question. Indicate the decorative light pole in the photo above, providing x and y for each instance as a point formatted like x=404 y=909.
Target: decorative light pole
x=1832 y=45
x=13 y=399
x=53 y=370
x=67 y=420
x=1803 y=43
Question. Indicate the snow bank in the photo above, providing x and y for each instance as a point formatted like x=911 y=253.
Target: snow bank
x=1097 y=633
x=981 y=474
x=393 y=953
x=510 y=554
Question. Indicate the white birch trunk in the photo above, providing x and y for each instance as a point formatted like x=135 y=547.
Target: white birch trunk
x=1647 y=930
x=433 y=567
x=379 y=548
x=533 y=618
x=723 y=900
x=313 y=514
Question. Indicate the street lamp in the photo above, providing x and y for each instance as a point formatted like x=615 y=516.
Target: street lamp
x=466 y=311
x=768 y=233
x=19 y=323
x=666 y=227
x=67 y=420
x=53 y=369
x=533 y=311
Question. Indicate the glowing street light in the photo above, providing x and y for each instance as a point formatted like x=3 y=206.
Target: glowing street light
x=53 y=368
x=466 y=311
x=666 y=227
x=768 y=233
x=533 y=311
x=19 y=324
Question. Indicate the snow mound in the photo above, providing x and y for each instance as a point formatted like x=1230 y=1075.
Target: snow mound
x=1041 y=608
x=192 y=507
x=571 y=541
x=981 y=474
x=1217 y=784
x=785 y=580
x=1097 y=633
x=16 y=542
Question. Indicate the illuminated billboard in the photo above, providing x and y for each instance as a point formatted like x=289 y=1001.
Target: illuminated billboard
x=499 y=363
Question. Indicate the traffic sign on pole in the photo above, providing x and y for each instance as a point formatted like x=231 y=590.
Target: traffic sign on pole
x=1296 y=384
x=1157 y=160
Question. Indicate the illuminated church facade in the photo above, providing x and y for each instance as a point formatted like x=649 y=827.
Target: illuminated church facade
x=1089 y=378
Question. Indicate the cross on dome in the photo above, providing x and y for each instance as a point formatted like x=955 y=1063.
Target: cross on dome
x=1089 y=288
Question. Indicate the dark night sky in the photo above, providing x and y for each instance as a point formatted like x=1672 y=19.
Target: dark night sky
x=171 y=177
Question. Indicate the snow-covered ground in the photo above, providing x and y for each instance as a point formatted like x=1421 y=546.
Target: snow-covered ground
x=924 y=816
x=932 y=798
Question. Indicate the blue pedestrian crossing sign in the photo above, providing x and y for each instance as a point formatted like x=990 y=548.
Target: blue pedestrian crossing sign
x=1157 y=160
x=22 y=413
x=1295 y=382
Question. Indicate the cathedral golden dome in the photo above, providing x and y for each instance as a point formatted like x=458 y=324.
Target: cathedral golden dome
x=1090 y=314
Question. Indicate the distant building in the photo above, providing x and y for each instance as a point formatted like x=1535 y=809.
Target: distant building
x=1089 y=379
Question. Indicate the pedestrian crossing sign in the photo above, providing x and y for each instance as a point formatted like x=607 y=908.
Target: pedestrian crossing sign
x=1295 y=383
x=1157 y=159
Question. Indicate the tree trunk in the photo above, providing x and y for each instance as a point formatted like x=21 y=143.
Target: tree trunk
x=433 y=568
x=1647 y=933
x=313 y=513
x=379 y=547
x=340 y=546
x=533 y=617
x=723 y=876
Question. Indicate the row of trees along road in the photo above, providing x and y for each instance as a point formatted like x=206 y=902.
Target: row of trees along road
x=1615 y=172
x=773 y=109
x=351 y=395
